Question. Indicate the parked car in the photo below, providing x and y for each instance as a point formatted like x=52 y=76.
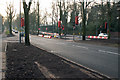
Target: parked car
x=16 y=31
x=13 y=30
x=103 y=35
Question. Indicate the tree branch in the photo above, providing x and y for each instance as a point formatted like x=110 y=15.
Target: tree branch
x=29 y=5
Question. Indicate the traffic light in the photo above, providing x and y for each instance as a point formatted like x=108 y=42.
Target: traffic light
x=76 y=20
x=22 y=22
x=59 y=24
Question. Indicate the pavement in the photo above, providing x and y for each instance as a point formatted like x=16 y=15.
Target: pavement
x=102 y=59
x=0 y=56
x=3 y=40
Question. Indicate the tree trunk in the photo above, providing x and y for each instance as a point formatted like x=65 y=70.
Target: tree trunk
x=27 y=42
x=26 y=13
x=10 y=23
x=83 y=22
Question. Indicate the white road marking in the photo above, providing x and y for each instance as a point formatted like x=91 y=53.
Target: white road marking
x=80 y=46
x=73 y=45
x=109 y=52
x=60 y=43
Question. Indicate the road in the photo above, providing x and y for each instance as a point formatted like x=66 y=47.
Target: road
x=100 y=58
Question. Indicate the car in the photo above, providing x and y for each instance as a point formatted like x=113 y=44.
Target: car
x=16 y=31
x=13 y=30
x=103 y=35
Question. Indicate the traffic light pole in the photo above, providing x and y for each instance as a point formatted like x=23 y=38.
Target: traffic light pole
x=60 y=20
x=73 y=32
x=20 y=24
x=74 y=20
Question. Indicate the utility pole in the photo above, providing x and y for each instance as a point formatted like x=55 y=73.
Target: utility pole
x=38 y=17
x=20 y=24
x=60 y=19
x=74 y=19
x=34 y=25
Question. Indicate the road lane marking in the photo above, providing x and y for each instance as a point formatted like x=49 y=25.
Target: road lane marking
x=60 y=43
x=80 y=46
x=109 y=52
x=73 y=45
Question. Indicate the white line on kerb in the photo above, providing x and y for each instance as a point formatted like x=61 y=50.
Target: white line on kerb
x=108 y=52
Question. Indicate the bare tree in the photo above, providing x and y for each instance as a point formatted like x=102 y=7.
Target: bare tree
x=85 y=5
x=26 y=14
x=10 y=15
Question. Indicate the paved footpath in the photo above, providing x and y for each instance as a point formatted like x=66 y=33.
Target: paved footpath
x=3 y=40
x=0 y=57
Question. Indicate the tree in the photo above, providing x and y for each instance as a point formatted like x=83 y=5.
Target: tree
x=38 y=18
x=65 y=15
x=108 y=17
x=10 y=15
x=16 y=22
x=26 y=14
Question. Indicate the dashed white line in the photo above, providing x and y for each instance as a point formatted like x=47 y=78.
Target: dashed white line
x=60 y=43
x=109 y=52
x=81 y=47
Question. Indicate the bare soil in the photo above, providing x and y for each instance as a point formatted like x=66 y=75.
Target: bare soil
x=21 y=59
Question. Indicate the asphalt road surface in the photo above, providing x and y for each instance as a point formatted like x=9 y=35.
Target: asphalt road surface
x=100 y=58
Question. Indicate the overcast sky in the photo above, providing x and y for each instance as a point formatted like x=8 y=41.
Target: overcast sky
x=3 y=3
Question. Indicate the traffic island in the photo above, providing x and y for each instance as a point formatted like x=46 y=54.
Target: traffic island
x=32 y=62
